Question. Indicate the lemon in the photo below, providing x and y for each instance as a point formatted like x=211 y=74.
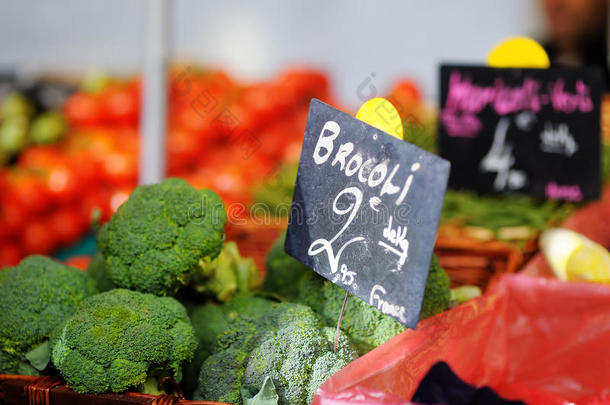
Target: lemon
x=381 y=114
x=589 y=263
x=518 y=52
x=573 y=256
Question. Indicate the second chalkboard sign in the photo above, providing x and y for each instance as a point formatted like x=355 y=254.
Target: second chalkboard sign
x=365 y=211
x=532 y=131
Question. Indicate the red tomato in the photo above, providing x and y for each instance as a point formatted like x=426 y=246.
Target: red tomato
x=13 y=216
x=37 y=237
x=183 y=148
x=194 y=119
x=28 y=190
x=37 y=157
x=118 y=197
x=79 y=262
x=260 y=99
x=63 y=183
x=121 y=105
x=10 y=254
x=67 y=225
x=405 y=93
x=84 y=109
x=87 y=169
x=303 y=84
x=96 y=199
x=120 y=167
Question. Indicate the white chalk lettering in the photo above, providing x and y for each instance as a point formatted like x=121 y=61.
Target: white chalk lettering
x=325 y=142
x=376 y=299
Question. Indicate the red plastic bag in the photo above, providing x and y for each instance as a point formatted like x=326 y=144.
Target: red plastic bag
x=541 y=341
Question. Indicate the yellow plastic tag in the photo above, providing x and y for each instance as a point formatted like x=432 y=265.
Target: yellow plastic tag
x=518 y=52
x=381 y=114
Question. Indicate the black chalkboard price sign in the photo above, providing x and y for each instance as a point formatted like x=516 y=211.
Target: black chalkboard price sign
x=365 y=211
x=531 y=131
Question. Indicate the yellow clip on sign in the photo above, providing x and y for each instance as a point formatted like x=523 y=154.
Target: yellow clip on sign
x=381 y=114
x=518 y=52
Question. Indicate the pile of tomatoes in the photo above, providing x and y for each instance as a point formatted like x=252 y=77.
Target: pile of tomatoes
x=221 y=134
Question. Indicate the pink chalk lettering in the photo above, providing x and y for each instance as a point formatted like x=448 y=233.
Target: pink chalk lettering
x=461 y=125
x=566 y=102
x=554 y=191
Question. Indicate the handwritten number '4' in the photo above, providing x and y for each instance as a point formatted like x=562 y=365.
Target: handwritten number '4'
x=500 y=159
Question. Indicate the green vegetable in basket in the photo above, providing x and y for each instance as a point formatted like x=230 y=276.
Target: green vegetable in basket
x=211 y=320
x=35 y=297
x=227 y=274
x=121 y=339
x=288 y=343
x=508 y=217
x=160 y=234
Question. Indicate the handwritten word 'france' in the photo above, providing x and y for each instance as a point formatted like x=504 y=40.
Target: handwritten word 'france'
x=377 y=300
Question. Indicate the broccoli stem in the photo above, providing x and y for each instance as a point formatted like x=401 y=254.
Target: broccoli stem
x=151 y=386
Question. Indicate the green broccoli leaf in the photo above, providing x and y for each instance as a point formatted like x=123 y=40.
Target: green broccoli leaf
x=39 y=356
x=267 y=395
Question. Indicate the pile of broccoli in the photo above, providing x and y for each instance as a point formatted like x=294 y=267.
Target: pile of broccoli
x=35 y=298
x=288 y=343
x=118 y=326
x=126 y=337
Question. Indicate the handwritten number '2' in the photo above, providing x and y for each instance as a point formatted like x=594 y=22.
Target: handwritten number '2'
x=320 y=245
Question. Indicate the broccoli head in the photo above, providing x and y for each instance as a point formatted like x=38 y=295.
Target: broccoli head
x=210 y=321
x=288 y=343
x=120 y=338
x=36 y=297
x=160 y=234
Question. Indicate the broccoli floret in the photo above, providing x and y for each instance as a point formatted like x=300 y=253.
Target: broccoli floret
x=226 y=274
x=222 y=373
x=117 y=339
x=161 y=233
x=287 y=343
x=36 y=297
x=298 y=358
x=438 y=291
x=98 y=271
x=366 y=326
x=283 y=271
x=210 y=321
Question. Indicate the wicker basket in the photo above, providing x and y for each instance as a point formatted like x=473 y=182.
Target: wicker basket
x=25 y=390
x=471 y=262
